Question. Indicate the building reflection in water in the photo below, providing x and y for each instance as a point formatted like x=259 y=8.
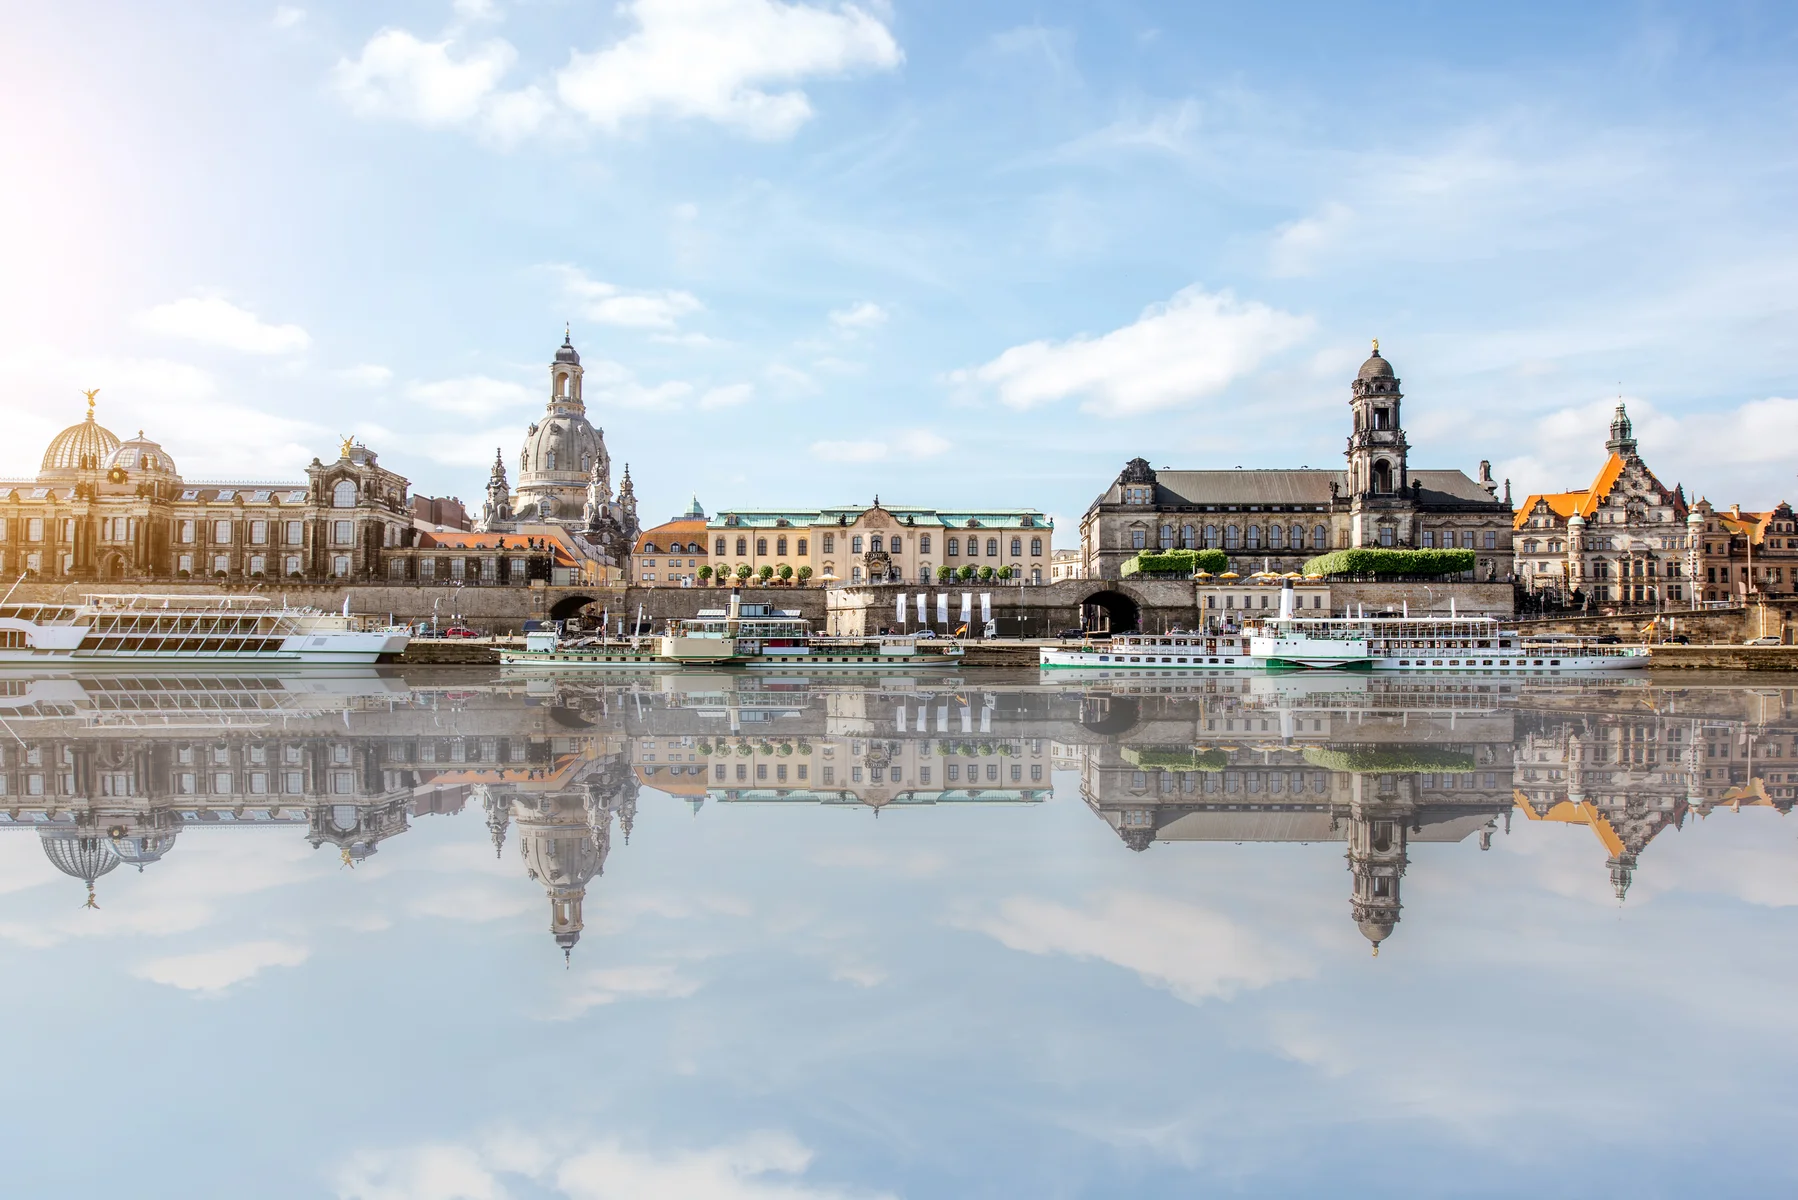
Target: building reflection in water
x=116 y=771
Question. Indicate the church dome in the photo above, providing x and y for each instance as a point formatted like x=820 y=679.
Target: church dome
x=80 y=447
x=1375 y=931
x=143 y=846
x=141 y=456
x=566 y=353
x=80 y=855
x=1375 y=367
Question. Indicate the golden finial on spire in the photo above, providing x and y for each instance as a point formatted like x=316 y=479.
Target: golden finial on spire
x=1376 y=949
x=347 y=860
x=90 y=402
x=1376 y=345
x=92 y=900
x=348 y=441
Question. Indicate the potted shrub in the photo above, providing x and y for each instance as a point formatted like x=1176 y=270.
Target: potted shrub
x=705 y=574
x=765 y=574
x=805 y=573
x=178 y=574
x=945 y=574
x=1005 y=573
x=743 y=571
x=785 y=572
x=965 y=574
x=986 y=574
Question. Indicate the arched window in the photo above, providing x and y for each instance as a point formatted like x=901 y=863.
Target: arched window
x=549 y=461
x=586 y=464
x=344 y=494
x=992 y=547
x=1165 y=539
x=1036 y=547
x=1298 y=537
x=780 y=546
x=761 y=545
x=855 y=573
x=1017 y=547
x=855 y=547
x=1254 y=537
x=1189 y=538
x=954 y=547
x=1276 y=538
x=874 y=543
x=1320 y=538
x=1232 y=538
x=895 y=544
x=1382 y=477
x=830 y=543
x=742 y=546
x=802 y=550
x=720 y=550
x=1210 y=537
x=923 y=543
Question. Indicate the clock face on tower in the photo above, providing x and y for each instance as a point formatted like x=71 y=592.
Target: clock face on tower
x=116 y=475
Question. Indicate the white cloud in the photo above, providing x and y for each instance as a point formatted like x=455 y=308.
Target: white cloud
x=470 y=395
x=729 y=61
x=1193 y=952
x=863 y=315
x=474 y=902
x=216 y=970
x=906 y=444
x=614 y=384
x=610 y=304
x=609 y=985
x=286 y=17
x=1194 y=345
x=365 y=374
x=757 y=1166
x=440 y=84
x=728 y=397
x=215 y=321
x=1298 y=243
x=477 y=10
x=790 y=379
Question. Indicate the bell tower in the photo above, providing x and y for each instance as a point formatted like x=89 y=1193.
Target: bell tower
x=1377 y=446
x=1623 y=435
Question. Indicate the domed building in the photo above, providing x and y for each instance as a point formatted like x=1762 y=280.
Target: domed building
x=143 y=458
x=565 y=473
x=81 y=854
x=81 y=449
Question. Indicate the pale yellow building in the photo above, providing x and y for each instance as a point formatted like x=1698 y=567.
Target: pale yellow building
x=880 y=544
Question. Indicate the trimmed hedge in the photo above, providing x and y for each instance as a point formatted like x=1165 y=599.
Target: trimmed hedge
x=1391 y=760
x=1176 y=760
x=1405 y=563
x=1175 y=562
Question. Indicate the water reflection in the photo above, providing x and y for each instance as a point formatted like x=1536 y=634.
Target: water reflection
x=120 y=771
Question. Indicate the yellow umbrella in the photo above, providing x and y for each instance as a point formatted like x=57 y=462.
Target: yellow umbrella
x=1229 y=575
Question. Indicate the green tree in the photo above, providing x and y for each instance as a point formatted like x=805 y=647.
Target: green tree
x=743 y=571
x=785 y=572
x=1004 y=572
x=986 y=574
x=965 y=574
x=765 y=574
x=945 y=574
x=705 y=574
x=805 y=573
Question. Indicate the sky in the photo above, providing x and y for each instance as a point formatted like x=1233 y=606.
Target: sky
x=956 y=255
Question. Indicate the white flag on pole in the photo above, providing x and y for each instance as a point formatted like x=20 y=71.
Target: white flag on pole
x=923 y=612
x=986 y=607
x=967 y=719
x=901 y=725
x=902 y=608
x=967 y=607
x=942 y=608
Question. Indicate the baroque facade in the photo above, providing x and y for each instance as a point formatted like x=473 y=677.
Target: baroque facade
x=1626 y=539
x=877 y=544
x=102 y=508
x=565 y=474
x=1283 y=517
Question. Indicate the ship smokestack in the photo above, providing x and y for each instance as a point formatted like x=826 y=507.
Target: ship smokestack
x=1286 y=601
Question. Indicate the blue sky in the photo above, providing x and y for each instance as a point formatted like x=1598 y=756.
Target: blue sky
x=954 y=254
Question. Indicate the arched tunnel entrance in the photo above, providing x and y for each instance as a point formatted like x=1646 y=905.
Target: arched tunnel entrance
x=1110 y=612
x=568 y=607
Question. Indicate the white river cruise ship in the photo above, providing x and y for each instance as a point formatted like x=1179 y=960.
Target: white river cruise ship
x=112 y=631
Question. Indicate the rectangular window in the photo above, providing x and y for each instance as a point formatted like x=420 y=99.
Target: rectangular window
x=518 y=571
x=1491 y=540
x=340 y=566
x=220 y=564
x=458 y=569
x=221 y=533
x=954 y=547
x=292 y=565
x=489 y=570
x=1036 y=547
x=427 y=570
x=923 y=544
x=1429 y=539
x=1139 y=539
x=802 y=551
x=396 y=569
x=293 y=533
x=185 y=563
x=1385 y=535
x=342 y=533
x=259 y=533
x=830 y=543
x=34 y=529
x=258 y=564
x=855 y=544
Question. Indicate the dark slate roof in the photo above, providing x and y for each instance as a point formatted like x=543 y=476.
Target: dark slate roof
x=1304 y=486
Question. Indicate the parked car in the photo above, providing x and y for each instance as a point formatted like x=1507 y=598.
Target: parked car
x=1769 y=640
x=1067 y=634
x=459 y=631
x=543 y=627
x=1680 y=639
x=1609 y=639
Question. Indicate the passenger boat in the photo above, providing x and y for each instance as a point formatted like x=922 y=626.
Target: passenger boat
x=753 y=636
x=1169 y=652
x=110 y=631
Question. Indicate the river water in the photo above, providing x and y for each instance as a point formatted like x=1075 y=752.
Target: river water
x=464 y=934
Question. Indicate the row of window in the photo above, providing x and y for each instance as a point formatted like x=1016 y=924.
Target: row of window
x=124 y=529
x=952 y=773
x=879 y=544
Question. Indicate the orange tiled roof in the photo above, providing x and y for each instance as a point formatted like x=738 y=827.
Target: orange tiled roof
x=685 y=531
x=1585 y=502
x=1562 y=504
